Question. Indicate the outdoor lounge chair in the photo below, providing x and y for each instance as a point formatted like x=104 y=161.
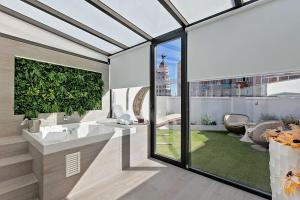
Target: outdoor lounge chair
x=256 y=133
x=235 y=123
x=169 y=119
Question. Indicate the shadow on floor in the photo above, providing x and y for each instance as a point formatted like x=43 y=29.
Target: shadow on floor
x=155 y=180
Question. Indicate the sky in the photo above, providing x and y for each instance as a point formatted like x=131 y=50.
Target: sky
x=172 y=49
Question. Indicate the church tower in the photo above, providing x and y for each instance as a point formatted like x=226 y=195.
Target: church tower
x=162 y=78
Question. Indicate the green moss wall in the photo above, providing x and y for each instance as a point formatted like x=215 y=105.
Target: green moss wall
x=48 y=88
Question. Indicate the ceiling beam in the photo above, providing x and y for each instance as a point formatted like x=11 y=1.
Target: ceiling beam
x=50 y=29
x=167 y=4
x=116 y=16
x=61 y=16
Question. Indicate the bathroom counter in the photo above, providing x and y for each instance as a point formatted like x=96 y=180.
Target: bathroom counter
x=52 y=139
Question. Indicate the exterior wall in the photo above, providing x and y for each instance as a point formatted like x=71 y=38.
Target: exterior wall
x=10 y=123
x=162 y=106
x=254 y=107
x=217 y=107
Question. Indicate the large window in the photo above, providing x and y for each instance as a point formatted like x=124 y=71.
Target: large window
x=228 y=118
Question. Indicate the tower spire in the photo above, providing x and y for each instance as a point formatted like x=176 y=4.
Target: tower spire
x=163 y=56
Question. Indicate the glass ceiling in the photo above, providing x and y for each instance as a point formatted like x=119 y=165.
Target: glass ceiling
x=194 y=10
x=149 y=15
x=146 y=18
x=89 y=15
x=58 y=24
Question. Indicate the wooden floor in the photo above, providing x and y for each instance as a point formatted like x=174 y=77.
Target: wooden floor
x=154 y=180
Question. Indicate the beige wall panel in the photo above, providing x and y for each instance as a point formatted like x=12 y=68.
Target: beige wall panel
x=9 y=123
x=99 y=162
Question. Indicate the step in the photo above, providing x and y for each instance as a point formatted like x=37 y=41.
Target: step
x=20 y=188
x=15 y=166
x=12 y=146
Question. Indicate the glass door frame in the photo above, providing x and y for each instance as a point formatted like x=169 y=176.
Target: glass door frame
x=179 y=33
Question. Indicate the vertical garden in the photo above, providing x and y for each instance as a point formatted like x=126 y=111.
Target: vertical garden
x=48 y=88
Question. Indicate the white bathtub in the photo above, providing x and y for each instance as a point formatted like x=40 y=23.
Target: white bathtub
x=57 y=138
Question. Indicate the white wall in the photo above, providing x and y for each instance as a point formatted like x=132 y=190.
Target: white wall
x=262 y=37
x=18 y=28
x=254 y=107
x=162 y=106
x=119 y=97
x=215 y=107
x=130 y=68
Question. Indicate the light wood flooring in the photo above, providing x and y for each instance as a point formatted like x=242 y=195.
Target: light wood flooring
x=155 y=180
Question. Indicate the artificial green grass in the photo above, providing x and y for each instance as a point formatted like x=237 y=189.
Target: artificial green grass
x=220 y=154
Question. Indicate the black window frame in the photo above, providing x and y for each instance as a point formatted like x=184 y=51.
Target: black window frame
x=185 y=114
x=179 y=33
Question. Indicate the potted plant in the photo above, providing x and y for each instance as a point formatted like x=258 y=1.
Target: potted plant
x=33 y=122
x=207 y=121
x=290 y=120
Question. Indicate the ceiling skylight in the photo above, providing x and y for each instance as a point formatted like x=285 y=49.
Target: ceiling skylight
x=87 y=14
x=59 y=25
x=194 y=10
x=148 y=15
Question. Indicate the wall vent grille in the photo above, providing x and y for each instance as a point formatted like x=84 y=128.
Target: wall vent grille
x=72 y=164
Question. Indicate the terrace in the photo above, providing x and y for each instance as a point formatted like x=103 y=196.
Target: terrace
x=149 y=99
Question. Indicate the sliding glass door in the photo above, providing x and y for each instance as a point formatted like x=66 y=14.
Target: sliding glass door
x=228 y=119
x=167 y=89
x=168 y=99
x=213 y=127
